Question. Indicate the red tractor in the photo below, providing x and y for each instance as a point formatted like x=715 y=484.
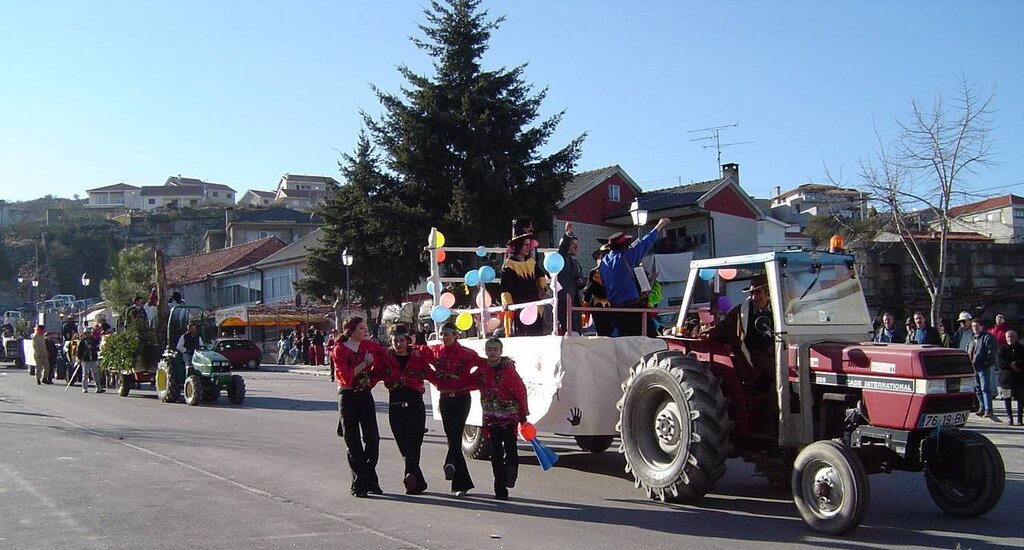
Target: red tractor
x=835 y=410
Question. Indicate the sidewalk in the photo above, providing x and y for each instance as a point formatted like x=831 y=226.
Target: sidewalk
x=298 y=369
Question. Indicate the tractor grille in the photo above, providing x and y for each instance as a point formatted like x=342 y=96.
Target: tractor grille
x=937 y=404
x=943 y=365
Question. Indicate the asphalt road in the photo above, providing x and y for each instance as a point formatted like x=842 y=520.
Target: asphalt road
x=100 y=471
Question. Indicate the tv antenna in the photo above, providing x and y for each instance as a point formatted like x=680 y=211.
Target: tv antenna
x=714 y=135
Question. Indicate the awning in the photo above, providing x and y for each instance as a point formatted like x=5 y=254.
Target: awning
x=275 y=315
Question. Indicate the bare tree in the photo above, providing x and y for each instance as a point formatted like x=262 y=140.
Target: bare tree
x=922 y=173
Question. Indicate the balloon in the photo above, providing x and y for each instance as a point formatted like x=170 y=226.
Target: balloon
x=447 y=299
x=464 y=321
x=481 y=251
x=724 y=303
x=486 y=273
x=554 y=262
x=727 y=274
x=441 y=255
x=493 y=323
x=528 y=315
x=534 y=243
x=528 y=430
x=472 y=277
x=430 y=288
x=706 y=274
x=483 y=299
x=439 y=241
x=440 y=314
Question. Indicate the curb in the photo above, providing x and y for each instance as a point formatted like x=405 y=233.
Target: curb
x=309 y=371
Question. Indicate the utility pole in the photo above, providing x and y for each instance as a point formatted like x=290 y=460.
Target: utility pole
x=714 y=136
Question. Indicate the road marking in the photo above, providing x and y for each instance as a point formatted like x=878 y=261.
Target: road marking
x=67 y=519
x=341 y=519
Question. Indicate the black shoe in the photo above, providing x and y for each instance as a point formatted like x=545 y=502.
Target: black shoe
x=38 y=383
x=449 y=472
x=101 y=391
x=501 y=495
x=511 y=474
x=359 y=494
x=411 y=484
x=376 y=490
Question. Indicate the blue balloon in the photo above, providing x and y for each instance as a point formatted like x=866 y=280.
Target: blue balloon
x=707 y=274
x=486 y=273
x=481 y=251
x=554 y=262
x=430 y=287
x=440 y=314
x=472 y=277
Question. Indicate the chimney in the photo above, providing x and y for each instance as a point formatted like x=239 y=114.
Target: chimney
x=778 y=191
x=731 y=169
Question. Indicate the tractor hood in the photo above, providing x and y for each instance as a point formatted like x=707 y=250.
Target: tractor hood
x=208 y=358
x=887 y=360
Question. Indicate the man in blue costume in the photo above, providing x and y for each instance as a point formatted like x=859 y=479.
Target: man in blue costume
x=619 y=280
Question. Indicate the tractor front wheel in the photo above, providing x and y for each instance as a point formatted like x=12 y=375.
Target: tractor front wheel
x=974 y=488
x=675 y=426
x=830 y=487
x=193 y=390
x=124 y=385
x=236 y=391
x=474 y=444
x=167 y=388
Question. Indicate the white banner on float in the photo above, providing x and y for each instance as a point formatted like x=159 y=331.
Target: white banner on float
x=572 y=383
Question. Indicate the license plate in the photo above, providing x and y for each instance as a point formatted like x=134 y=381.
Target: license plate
x=944 y=419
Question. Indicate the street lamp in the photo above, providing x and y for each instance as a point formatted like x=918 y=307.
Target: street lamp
x=35 y=289
x=346 y=260
x=85 y=290
x=639 y=217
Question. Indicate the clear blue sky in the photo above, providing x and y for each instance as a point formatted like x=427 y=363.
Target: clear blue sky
x=240 y=92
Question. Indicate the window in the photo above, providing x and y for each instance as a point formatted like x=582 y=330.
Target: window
x=215 y=194
x=993 y=216
x=151 y=201
x=613 y=192
x=1018 y=214
x=228 y=195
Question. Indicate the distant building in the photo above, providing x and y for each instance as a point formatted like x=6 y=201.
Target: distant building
x=589 y=199
x=998 y=218
x=815 y=199
x=253 y=197
x=775 y=235
x=192 y=275
x=177 y=191
x=300 y=192
x=114 y=198
x=241 y=226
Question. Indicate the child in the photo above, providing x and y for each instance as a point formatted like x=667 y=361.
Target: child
x=503 y=399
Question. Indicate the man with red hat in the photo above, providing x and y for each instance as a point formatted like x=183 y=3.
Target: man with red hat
x=620 y=284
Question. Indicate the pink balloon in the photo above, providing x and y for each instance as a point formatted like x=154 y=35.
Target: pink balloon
x=534 y=243
x=448 y=300
x=528 y=315
x=727 y=274
x=493 y=323
x=483 y=299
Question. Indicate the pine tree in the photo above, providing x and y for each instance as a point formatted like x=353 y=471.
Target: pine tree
x=465 y=145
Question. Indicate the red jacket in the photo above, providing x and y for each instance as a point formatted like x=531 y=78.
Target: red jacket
x=452 y=366
x=502 y=394
x=415 y=372
x=999 y=333
x=346 y=360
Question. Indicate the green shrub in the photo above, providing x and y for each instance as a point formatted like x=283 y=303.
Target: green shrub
x=120 y=350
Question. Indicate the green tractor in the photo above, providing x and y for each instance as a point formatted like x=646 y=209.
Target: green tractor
x=190 y=367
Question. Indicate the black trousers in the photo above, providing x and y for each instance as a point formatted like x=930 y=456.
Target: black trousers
x=407 y=416
x=604 y=323
x=504 y=455
x=359 y=416
x=454 y=412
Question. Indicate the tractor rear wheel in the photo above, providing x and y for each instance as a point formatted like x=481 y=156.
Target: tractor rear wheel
x=124 y=386
x=167 y=388
x=474 y=444
x=675 y=426
x=976 y=495
x=830 y=487
x=594 y=443
x=193 y=390
x=236 y=391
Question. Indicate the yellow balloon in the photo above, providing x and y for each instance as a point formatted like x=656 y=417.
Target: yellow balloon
x=440 y=239
x=464 y=321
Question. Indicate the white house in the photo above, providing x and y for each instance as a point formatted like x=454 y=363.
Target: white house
x=299 y=192
x=999 y=218
x=255 y=197
x=817 y=199
x=113 y=198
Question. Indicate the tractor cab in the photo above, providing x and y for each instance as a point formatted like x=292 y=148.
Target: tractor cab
x=190 y=365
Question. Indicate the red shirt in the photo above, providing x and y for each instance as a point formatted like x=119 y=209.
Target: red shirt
x=345 y=362
x=451 y=367
x=502 y=394
x=393 y=375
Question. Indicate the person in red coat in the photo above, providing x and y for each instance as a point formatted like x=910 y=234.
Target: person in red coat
x=354 y=355
x=403 y=374
x=503 y=400
x=454 y=368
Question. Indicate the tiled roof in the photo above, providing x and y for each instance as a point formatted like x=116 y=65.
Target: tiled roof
x=985 y=205
x=297 y=249
x=194 y=268
x=672 y=197
x=172 y=191
x=309 y=179
x=584 y=179
x=115 y=187
x=277 y=214
x=263 y=194
x=179 y=180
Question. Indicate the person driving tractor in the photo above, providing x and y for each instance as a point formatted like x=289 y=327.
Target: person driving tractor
x=748 y=329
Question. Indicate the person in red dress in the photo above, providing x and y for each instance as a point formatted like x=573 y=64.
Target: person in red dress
x=403 y=375
x=354 y=355
x=454 y=368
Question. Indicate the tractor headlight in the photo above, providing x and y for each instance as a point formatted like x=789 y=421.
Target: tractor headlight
x=935 y=386
x=944 y=385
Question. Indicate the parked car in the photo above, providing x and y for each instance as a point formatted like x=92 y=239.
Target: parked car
x=240 y=352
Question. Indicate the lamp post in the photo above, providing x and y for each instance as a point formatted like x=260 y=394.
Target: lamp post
x=346 y=260
x=35 y=289
x=639 y=217
x=85 y=292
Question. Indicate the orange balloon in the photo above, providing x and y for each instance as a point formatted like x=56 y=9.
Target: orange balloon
x=441 y=255
x=528 y=430
x=727 y=274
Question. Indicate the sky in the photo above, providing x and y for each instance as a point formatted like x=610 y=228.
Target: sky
x=240 y=92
